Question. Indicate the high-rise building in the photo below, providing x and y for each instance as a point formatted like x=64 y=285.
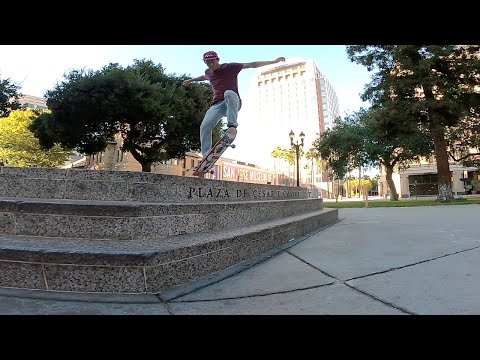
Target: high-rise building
x=294 y=96
x=33 y=102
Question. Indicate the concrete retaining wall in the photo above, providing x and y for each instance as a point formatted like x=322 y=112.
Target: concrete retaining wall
x=109 y=231
x=75 y=184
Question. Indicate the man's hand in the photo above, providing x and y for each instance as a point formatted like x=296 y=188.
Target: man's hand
x=186 y=83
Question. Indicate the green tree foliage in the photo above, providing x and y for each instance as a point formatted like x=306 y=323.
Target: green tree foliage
x=314 y=156
x=18 y=146
x=371 y=136
x=355 y=187
x=9 y=96
x=341 y=147
x=435 y=86
x=389 y=139
x=157 y=118
x=287 y=155
x=463 y=141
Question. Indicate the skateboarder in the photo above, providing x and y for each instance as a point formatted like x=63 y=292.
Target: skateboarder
x=226 y=99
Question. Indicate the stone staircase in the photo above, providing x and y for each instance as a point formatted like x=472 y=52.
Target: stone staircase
x=131 y=232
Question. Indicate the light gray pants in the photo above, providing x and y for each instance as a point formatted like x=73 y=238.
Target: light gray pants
x=229 y=107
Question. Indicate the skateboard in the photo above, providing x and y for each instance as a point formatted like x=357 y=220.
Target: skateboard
x=216 y=151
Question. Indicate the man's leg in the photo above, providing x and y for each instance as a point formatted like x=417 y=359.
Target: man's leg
x=233 y=106
x=211 y=118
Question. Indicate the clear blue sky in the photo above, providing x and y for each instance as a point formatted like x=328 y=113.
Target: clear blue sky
x=39 y=67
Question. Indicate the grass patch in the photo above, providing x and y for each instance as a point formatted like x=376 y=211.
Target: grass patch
x=400 y=203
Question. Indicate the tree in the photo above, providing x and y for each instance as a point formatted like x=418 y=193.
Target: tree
x=341 y=146
x=276 y=154
x=434 y=85
x=157 y=118
x=351 y=186
x=287 y=155
x=463 y=141
x=9 y=96
x=392 y=141
x=312 y=155
x=18 y=146
x=355 y=186
x=371 y=136
x=335 y=147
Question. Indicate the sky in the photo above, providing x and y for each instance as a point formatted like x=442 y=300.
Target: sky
x=38 y=68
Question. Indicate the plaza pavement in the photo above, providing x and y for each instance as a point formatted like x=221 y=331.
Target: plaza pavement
x=374 y=261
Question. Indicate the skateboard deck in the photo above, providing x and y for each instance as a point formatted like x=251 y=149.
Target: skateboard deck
x=216 y=151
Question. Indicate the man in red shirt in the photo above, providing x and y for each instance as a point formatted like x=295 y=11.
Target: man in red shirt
x=226 y=99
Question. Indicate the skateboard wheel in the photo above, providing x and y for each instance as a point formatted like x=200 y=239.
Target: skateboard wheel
x=233 y=146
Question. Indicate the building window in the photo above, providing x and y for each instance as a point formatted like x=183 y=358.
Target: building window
x=423 y=184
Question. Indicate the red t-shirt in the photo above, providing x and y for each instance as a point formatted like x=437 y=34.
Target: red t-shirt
x=224 y=78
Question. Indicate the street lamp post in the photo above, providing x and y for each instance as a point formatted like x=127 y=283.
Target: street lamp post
x=297 y=151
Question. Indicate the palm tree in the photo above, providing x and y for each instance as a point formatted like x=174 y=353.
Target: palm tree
x=287 y=155
x=276 y=154
x=312 y=154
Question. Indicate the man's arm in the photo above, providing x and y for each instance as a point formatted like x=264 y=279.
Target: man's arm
x=198 y=78
x=257 y=64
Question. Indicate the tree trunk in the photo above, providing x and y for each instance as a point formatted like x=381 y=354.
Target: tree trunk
x=443 y=167
x=275 y=181
x=328 y=188
x=359 y=181
x=391 y=184
x=147 y=167
x=312 y=174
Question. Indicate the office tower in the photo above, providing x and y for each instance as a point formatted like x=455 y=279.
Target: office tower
x=33 y=102
x=295 y=96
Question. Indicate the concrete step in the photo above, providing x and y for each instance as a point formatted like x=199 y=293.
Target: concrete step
x=128 y=220
x=147 y=265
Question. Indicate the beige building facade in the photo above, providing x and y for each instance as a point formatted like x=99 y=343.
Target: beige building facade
x=421 y=180
x=33 y=102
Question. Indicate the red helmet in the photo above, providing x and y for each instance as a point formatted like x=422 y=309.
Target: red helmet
x=209 y=55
